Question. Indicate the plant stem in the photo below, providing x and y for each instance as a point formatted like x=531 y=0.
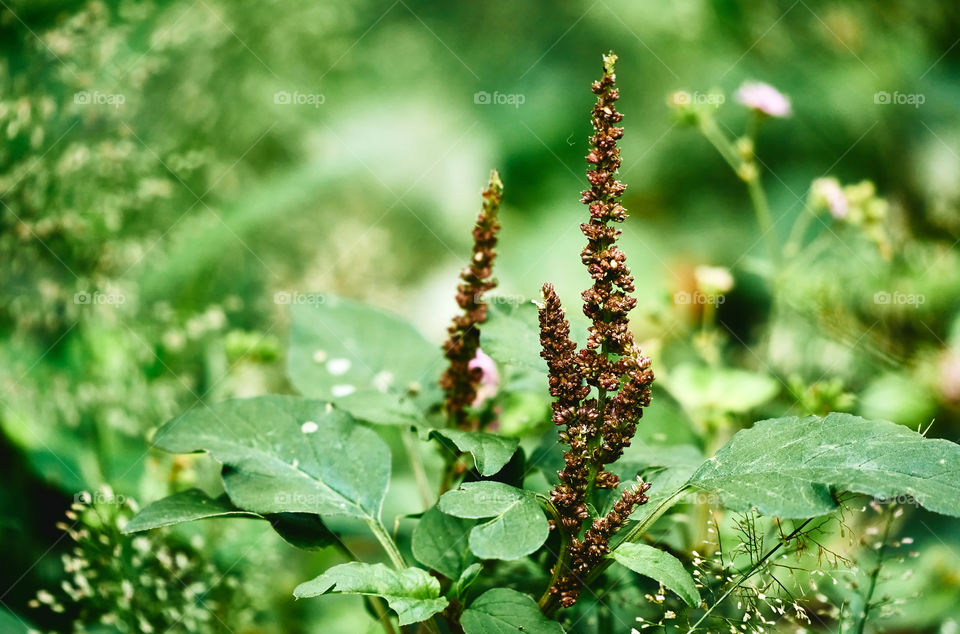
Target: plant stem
x=750 y=174
x=595 y=468
x=764 y=218
x=546 y=602
x=718 y=139
x=376 y=527
x=799 y=230
x=874 y=574
x=416 y=464
x=749 y=573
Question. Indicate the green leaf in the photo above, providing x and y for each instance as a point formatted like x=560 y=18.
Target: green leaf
x=412 y=593
x=504 y=611
x=302 y=530
x=467 y=577
x=511 y=335
x=790 y=467
x=660 y=566
x=305 y=531
x=440 y=543
x=518 y=526
x=368 y=362
x=723 y=390
x=288 y=454
x=186 y=506
x=490 y=451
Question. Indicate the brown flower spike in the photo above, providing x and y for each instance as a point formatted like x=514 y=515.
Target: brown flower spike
x=459 y=381
x=596 y=429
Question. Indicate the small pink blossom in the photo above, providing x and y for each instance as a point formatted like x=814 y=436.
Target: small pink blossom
x=489 y=379
x=950 y=376
x=830 y=192
x=764 y=98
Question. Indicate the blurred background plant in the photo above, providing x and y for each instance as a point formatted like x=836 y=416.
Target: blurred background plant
x=171 y=171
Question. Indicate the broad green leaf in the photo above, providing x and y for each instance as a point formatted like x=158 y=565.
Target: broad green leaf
x=366 y=361
x=660 y=566
x=288 y=454
x=490 y=451
x=440 y=543
x=791 y=467
x=723 y=390
x=412 y=593
x=506 y=611
x=511 y=335
x=518 y=526
x=186 y=506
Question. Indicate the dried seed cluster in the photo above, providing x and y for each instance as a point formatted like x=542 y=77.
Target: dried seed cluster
x=459 y=381
x=596 y=429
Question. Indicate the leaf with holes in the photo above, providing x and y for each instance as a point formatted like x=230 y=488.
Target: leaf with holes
x=287 y=454
x=412 y=593
x=518 y=526
x=366 y=361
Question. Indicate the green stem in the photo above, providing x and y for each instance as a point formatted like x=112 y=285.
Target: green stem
x=874 y=575
x=718 y=139
x=594 y=468
x=546 y=603
x=750 y=174
x=749 y=573
x=416 y=464
x=799 y=230
x=764 y=218
x=378 y=530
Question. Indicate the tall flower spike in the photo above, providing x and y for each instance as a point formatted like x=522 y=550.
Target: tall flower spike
x=596 y=430
x=460 y=381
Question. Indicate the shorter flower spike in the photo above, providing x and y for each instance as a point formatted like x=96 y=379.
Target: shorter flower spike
x=460 y=381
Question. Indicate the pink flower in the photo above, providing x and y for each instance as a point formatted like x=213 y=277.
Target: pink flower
x=764 y=98
x=489 y=379
x=950 y=376
x=828 y=191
